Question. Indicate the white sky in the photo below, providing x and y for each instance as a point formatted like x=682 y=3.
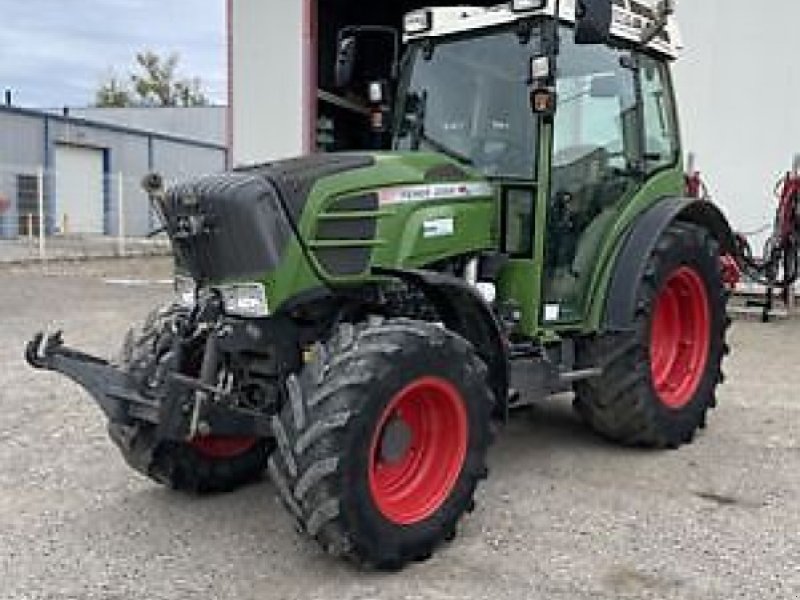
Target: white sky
x=54 y=53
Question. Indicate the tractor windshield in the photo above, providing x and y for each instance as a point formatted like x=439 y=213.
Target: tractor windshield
x=468 y=98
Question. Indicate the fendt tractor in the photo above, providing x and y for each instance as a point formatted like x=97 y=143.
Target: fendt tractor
x=357 y=324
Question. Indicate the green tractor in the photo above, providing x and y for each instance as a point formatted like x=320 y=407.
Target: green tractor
x=357 y=324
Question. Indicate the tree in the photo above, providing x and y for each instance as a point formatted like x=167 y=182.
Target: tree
x=113 y=93
x=154 y=82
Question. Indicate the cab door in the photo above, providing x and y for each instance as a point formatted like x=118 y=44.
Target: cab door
x=596 y=168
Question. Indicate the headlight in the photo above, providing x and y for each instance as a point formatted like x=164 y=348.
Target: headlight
x=418 y=22
x=185 y=290
x=247 y=300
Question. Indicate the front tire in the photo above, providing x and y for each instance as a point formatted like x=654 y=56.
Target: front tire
x=203 y=465
x=383 y=440
x=659 y=381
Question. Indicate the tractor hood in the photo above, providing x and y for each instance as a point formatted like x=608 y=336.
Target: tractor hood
x=240 y=225
x=237 y=225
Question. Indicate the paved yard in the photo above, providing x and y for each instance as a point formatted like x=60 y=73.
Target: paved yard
x=563 y=514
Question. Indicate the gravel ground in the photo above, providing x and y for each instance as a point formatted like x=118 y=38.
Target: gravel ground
x=78 y=247
x=563 y=515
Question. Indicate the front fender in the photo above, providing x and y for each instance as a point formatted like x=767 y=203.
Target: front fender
x=465 y=312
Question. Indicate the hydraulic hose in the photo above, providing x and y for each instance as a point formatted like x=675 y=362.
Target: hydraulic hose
x=779 y=265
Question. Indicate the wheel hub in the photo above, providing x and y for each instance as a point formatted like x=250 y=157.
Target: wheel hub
x=680 y=337
x=418 y=450
x=395 y=441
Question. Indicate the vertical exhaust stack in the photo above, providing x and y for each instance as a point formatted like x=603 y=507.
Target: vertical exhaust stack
x=8 y=97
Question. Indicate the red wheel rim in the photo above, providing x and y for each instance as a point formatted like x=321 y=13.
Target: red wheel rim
x=411 y=481
x=680 y=338
x=222 y=447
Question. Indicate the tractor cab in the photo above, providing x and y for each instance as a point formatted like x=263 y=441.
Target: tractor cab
x=567 y=107
x=357 y=60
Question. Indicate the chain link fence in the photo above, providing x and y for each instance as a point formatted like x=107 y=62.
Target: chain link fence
x=75 y=214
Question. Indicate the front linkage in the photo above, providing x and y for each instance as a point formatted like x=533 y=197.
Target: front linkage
x=379 y=425
x=168 y=396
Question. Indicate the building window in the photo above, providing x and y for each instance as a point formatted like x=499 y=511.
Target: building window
x=28 y=204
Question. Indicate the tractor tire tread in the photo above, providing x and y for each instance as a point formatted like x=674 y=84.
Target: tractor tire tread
x=176 y=465
x=335 y=384
x=620 y=405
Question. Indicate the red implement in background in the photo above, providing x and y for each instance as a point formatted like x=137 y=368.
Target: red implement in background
x=777 y=267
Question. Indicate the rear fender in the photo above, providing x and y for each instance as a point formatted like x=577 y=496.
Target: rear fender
x=638 y=246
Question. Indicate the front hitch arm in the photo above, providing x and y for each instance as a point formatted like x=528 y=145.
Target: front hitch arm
x=181 y=409
x=110 y=387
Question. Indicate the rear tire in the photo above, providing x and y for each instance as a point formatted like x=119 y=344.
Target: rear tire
x=659 y=382
x=383 y=440
x=205 y=465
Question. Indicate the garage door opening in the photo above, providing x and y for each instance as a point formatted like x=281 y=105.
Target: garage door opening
x=342 y=115
x=281 y=61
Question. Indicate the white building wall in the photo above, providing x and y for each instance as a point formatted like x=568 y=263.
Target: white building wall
x=738 y=85
x=269 y=64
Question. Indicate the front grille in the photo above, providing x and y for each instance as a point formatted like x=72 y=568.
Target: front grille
x=228 y=226
x=346 y=234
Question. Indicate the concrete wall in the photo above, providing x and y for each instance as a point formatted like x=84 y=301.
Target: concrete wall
x=270 y=57
x=738 y=86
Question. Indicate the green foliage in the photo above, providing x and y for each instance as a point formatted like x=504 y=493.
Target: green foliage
x=113 y=94
x=155 y=81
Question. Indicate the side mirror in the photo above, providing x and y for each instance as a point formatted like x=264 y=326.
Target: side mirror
x=592 y=21
x=345 y=62
x=366 y=53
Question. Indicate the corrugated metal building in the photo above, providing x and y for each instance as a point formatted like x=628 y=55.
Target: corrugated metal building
x=207 y=123
x=88 y=166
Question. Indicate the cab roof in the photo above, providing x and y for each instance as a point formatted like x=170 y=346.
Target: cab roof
x=630 y=19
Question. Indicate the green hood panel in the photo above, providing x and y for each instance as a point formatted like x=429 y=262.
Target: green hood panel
x=405 y=210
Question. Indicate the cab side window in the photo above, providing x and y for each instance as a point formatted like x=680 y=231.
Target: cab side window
x=595 y=166
x=658 y=112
